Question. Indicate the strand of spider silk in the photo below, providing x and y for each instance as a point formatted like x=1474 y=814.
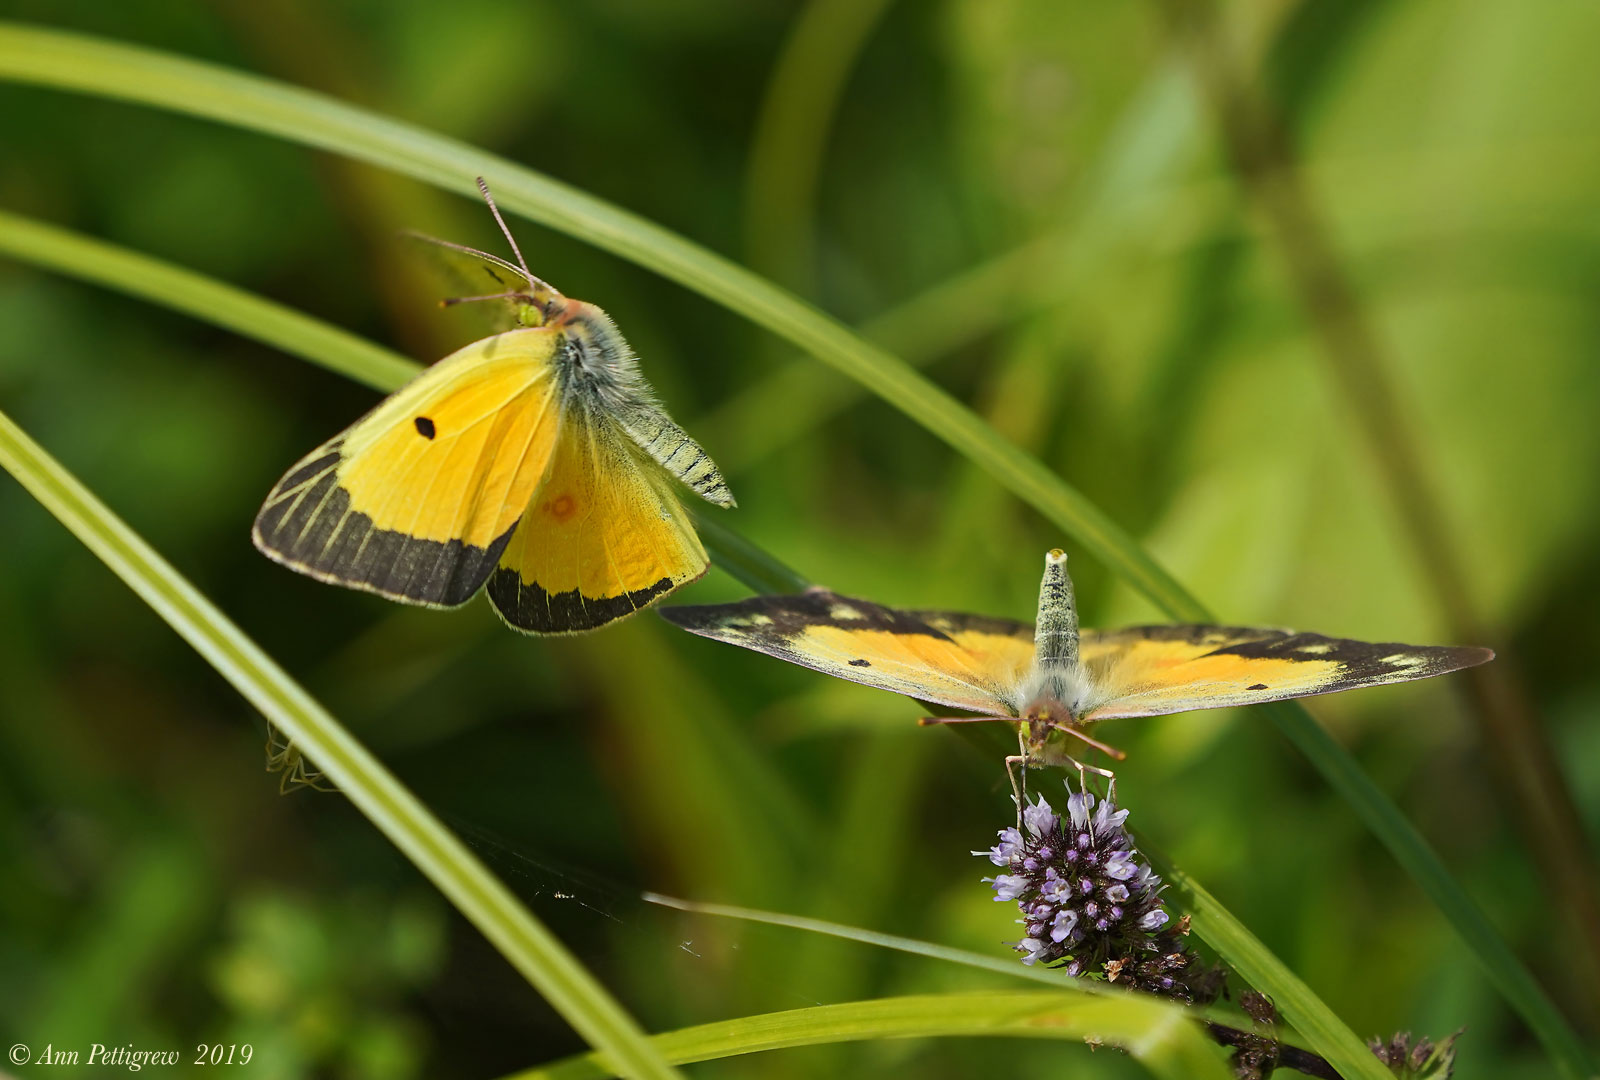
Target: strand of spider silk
x=478 y=894
x=84 y=64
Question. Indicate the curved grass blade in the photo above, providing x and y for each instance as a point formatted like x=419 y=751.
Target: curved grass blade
x=1259 y=967
x=1012 y=968
x=255 y=317
x=299 y=335
x=81 y=63
x=479 y=895
x=793 y=123
x=1241 y=948
x=1159 y=1036
x=204 y=298
x=85 y=64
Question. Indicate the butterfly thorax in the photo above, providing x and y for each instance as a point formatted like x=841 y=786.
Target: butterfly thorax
x=595 y=360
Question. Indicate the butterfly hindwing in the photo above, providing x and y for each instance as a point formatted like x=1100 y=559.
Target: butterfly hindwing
x=1154 y=670
x=604 y=536
x=964 y=661
x=468 y=272
x=417 y=499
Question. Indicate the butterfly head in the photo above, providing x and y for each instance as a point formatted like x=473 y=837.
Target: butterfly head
x=542 y=304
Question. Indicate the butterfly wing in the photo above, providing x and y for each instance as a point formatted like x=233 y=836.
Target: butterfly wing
x=466 y=272
x=604 y=536
x=1153 y=670
x=964 y=661
x=417 y=499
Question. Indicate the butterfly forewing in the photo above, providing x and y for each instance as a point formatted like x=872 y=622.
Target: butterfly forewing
x=416 y=500
x=963 y=661
x=1153 y=670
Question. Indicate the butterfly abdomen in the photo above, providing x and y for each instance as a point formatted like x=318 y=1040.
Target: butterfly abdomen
x=1055 y=634
x=666 y=442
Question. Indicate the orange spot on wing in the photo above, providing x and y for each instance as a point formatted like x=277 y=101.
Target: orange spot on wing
x=561 y=507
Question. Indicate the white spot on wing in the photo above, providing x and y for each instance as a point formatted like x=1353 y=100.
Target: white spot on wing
x=1315 y=650
x=1405 y=660
x=844 y=611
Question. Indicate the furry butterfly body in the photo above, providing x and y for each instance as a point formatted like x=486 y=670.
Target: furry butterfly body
x=1050 y=674
x=535 y=461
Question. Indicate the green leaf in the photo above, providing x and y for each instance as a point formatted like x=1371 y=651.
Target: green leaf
x=480 y=896
x=1156 y=1034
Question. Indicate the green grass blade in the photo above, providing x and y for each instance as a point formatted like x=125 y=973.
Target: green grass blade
x=76 y=62
x=481 y=897
x=299 y=335
x=1575 y=1060
x=255 y=317
x=1259 y=967
x=205 y=298
x=1011 y=967
x=84 y=64
x=1160 y=1036
x=792 y=128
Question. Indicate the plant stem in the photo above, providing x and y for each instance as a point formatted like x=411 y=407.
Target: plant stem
x=524 y=941
x=1518 y=750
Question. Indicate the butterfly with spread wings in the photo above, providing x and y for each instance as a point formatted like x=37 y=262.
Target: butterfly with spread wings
x=536 y=460
x=1052 y=676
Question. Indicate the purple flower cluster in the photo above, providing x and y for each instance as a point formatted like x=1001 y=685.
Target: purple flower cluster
x=1088 y=903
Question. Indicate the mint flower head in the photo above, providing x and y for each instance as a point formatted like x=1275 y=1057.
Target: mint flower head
x=1089 y=904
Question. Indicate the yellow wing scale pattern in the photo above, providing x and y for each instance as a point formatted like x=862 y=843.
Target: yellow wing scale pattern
x=1155 y=670
x=979 y=664
x=416 y=500
x=604 y=537
x=965 y=662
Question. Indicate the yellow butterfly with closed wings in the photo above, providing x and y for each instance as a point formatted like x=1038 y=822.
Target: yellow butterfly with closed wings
x=536 y=460
x=1056 y=679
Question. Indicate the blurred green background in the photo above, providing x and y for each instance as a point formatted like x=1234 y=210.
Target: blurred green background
x=1129 y=320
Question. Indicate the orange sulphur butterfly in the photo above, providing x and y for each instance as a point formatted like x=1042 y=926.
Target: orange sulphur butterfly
x=536 y=460
x=1050 y=674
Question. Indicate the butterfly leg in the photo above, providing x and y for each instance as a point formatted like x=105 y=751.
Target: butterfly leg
x=1078 y=733
x=1082 y=768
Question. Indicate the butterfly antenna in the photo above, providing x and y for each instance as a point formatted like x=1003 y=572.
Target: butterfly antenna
x=512 y=240
x=454 y=300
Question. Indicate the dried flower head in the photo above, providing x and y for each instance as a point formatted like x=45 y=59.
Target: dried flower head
x=1088 y=903
x=1422 y=1059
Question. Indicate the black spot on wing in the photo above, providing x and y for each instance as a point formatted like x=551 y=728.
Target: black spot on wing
x=861 y=663
x=317 y=533
x=530 y=608
x=1257 y=686
x=424 y=427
